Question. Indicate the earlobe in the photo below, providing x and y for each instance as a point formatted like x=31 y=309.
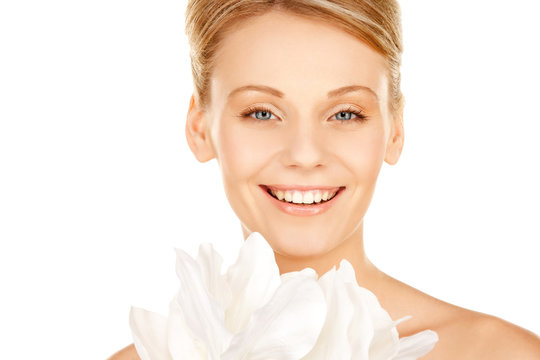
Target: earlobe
x=196 y=133
x=395 y=142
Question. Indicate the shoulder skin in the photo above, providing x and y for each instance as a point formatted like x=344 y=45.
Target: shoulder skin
x=504 y=340
x=127 y=353
x=477 y=336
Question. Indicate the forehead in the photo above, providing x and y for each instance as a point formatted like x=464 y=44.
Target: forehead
x=297 y=55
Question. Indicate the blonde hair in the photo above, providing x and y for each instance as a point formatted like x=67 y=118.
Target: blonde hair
x=376 y=22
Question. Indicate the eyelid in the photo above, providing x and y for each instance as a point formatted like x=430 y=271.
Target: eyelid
x=258 y=107
x=358 y=111
x=346 y=107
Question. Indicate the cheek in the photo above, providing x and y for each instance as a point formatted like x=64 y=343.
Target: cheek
x=363 y=155
x=243 y=152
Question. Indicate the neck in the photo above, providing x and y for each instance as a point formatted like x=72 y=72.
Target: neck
x=351 y=249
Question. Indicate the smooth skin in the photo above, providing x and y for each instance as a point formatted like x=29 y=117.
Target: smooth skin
x=298 y=126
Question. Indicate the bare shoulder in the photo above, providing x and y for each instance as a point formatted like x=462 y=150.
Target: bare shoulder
x=473 y=335
x=463 y=334
x=500 y=339
x=127 y=353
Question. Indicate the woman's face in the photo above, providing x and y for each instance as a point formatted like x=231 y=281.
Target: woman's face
x=298 y=105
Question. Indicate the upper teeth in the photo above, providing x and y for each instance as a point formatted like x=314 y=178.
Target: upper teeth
x=304 y=197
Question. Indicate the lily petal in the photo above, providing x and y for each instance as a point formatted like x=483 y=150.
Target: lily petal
x=203 y=315
x=372 y=328
x=210 y=263
x=333 y=342
x=149 y=332
x=287 y=327
x=417 y=345
x=182 y=344
x=309 y=272
x=253 y=278
x=346 y=271
x=361 y=330
x=385 y=337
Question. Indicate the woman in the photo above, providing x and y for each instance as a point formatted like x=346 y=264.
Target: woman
x=300 y=104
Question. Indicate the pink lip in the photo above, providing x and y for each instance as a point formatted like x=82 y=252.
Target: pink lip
x=302 y=210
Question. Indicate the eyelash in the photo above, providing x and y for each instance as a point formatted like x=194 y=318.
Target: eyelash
x=360 y=117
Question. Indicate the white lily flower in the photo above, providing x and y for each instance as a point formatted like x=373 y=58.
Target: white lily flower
x=246 y=314
x=253 y=313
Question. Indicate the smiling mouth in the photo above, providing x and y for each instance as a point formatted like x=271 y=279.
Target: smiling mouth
x=303 y=197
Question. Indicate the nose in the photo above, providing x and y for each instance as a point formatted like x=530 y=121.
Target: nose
x=304 y=146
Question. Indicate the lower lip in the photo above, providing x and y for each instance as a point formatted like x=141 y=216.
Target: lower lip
x=302 y=210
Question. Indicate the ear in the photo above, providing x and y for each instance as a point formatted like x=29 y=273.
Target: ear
x=394 y=145
x=197 y=134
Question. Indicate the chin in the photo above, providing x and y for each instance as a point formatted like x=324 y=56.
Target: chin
x=300 y=243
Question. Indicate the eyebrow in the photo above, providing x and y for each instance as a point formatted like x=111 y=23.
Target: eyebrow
x=351 y=88
x=333 y=93
x=261 y=88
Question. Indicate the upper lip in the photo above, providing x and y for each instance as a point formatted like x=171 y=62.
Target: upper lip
x=302 y=187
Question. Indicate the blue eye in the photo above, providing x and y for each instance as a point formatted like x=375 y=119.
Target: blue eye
x=348 y=115
x=262 y=115
x=257 y=114
x=344 y=115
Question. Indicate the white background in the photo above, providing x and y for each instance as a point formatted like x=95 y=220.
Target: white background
x=97 y=184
